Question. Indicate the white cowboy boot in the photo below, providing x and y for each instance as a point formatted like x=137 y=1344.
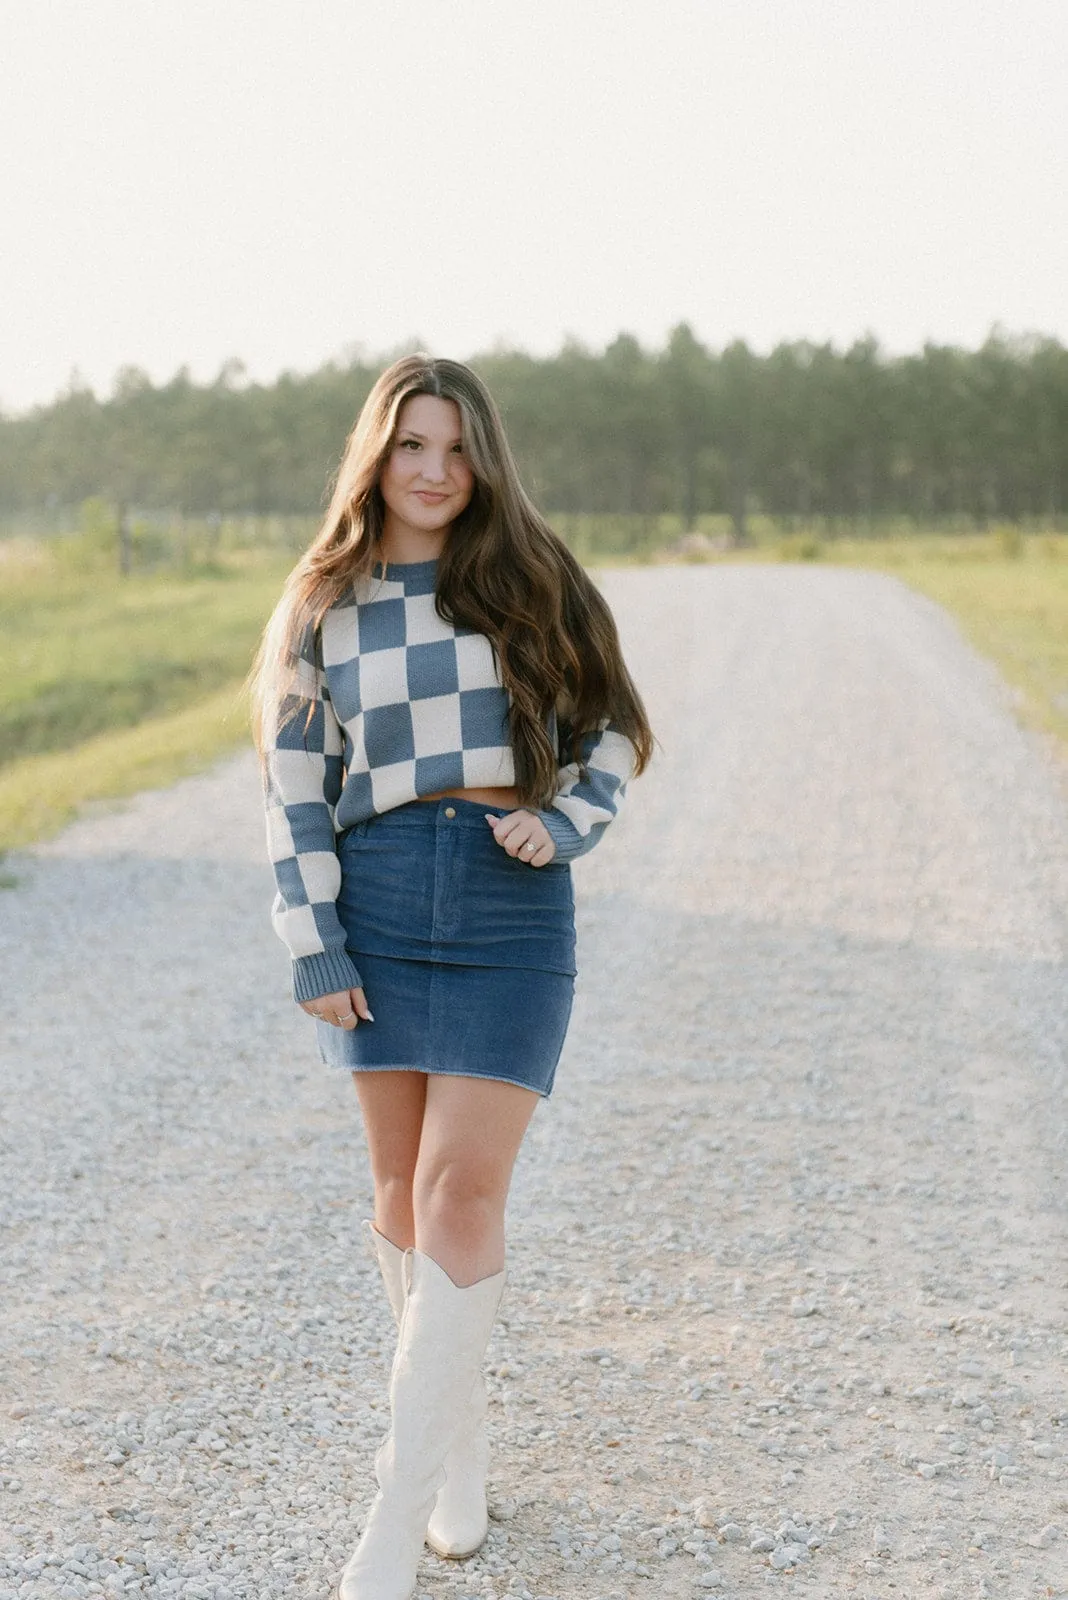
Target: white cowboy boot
x=459 y=1521
x=444 y=1331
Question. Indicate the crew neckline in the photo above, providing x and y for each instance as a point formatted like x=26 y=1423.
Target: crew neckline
x=396 y=569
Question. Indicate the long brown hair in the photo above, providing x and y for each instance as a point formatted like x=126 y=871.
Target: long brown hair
x=502 y=572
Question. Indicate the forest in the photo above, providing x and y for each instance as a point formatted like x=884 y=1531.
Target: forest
x=850 y=440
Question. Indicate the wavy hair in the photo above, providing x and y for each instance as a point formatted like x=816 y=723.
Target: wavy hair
x=503 y=572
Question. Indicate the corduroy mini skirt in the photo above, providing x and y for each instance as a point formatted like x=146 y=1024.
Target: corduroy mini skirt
x=467 y=955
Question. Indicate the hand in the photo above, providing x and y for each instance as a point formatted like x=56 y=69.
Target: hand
x=524 y=836
x=342 y=1010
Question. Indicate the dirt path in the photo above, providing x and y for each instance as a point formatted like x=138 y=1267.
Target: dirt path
x=787 y=1246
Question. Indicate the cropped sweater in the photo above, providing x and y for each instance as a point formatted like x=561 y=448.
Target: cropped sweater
x=403 y=704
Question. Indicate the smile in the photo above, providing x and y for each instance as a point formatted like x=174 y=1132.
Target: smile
x=433 y=499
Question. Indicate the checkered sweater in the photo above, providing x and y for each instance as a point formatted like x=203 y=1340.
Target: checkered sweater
x=403 y=704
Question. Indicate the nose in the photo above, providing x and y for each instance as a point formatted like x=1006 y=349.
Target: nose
x=434 y=468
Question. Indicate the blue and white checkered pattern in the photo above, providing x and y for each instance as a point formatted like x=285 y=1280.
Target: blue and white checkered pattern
x=403 y=704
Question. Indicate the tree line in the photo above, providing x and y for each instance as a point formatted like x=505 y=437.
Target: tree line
x=805 y=433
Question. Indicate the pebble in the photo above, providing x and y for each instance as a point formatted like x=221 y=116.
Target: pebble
x=704 y=1513
x=1045 y=1538
x=803 y=1307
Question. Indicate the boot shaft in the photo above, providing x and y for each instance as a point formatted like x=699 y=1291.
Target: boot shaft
x=443 y=1336
x=390 y=1260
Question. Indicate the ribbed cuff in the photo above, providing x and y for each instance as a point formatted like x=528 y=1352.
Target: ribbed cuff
x=564 y=835
x=328 y=973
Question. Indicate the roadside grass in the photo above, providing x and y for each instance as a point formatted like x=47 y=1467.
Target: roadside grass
x=109 y=686
x=83 y=653
x=40 y=794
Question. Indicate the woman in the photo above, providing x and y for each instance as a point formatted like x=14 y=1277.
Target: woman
x=445 y=722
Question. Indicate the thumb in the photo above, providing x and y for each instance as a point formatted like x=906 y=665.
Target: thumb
x=360 y=1006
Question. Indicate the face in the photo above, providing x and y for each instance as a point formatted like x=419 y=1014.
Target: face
x=426 y=481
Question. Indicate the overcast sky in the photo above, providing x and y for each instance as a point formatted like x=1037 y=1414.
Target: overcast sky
x=283 y=182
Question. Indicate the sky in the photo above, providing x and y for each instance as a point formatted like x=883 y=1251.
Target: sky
x=287 y=182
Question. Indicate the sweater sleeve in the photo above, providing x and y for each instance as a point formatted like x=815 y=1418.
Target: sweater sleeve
x=589 y=794
x=303 y=777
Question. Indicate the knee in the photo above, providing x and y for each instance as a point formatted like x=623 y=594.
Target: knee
x=457 y=1188
x=395 y=1209
x=394 y=1190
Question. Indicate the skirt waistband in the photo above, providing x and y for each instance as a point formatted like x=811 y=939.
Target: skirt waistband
x=451 y=812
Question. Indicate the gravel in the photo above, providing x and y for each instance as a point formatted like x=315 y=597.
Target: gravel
x=786 y=1302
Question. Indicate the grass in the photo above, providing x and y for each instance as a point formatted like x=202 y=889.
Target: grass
x=40 y=794
x=84 y=653
x=109 y=686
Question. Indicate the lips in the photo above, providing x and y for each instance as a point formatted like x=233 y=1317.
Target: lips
x=430 y=499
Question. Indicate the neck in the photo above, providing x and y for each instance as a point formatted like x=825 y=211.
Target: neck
x=401 y=543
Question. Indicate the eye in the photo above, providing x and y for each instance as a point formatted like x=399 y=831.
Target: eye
x=405 y=442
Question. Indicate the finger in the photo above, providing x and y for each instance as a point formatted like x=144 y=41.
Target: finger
x=328 y=1007
x=533 y=840
x=344 y=1013
x=521 y=833
x=316 y=1009
x=542 y=855
x=504 y=827
x=360 y=1006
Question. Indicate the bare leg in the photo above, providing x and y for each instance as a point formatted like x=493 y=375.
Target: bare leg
x=392 y=1104
x=471 y=1133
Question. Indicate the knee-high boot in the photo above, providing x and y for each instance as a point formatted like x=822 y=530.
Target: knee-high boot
x=459 y=1521
x=443 y=1335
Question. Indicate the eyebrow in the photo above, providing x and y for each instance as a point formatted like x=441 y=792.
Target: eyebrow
x=422 y=436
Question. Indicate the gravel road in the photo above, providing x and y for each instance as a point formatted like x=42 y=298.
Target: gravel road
x=786 y=1307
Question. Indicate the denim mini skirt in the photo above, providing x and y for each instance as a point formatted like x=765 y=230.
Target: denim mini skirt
x=467 y=955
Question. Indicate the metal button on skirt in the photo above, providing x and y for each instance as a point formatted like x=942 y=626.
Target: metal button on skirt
x=467 y=955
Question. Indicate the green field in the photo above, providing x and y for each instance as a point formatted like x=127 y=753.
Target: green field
x=109 y=685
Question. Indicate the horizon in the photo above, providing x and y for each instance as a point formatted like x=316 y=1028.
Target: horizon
x=240 y=378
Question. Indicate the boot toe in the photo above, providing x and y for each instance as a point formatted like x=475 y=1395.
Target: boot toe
x=459 y=1534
